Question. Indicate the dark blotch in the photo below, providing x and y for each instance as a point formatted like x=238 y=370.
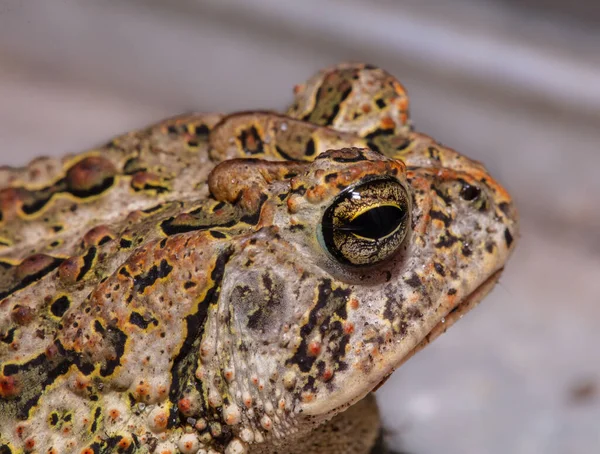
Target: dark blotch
x=9 y=337
x=217 y=234
x=97 y=414
x=439 y=269
x=284 y=154
x=310 y=148
x=466 y=250
x=88 y=260
x=53 y=419
x=98 y=327
x=138 y=320
x=442 y=195
x=153 y=209
x=186 y=360
x=435 y=214
x=116 y=338
x=142 y=281
x=31 y=278
x=253 y=218
x=60 y=306
x=251 y=141
x=508 y=237
x=104 y=240
x=505 y=208
x=414 y=280
x=446 y=241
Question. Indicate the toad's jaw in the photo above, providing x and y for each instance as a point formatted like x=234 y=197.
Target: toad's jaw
x=450 y=318
x=395 y=358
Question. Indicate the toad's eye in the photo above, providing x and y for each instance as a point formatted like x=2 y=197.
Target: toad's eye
x=367 y=223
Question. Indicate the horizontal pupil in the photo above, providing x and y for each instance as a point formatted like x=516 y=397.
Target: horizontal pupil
x=377 y=222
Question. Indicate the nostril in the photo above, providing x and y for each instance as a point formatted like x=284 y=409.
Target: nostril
x=469 y=192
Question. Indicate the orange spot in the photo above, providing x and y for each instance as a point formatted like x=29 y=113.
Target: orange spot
x=81 y=382
x=8 y=387
x=87 y=451
x=124 y=443
x=354 y=303
x=294 y=203
x=20 y=430
x=402 y=103
x=114 y=414
x=201 y=424
x=387 y=123
x=316 y=194
x=142 y=389
x=366 y=108
x=231 y=419
x=314 y=348
x=30 y=443
x=307 y=397
x=160 y=420
x=348 y=327
x=184 y=405
x=162 y=390
x=399 y=89
x=327 y=375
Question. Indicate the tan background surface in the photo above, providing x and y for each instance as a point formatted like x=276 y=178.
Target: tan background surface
x=516 y=89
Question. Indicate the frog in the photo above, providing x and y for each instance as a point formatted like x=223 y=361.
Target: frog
x=238 y=283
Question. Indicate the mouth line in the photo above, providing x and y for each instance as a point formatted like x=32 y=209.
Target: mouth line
x=456 y=313
x=451 y=317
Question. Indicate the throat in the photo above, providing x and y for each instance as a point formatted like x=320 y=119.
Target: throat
x=354 y=431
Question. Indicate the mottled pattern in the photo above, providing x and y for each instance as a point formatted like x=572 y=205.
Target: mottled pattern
x=230 y=283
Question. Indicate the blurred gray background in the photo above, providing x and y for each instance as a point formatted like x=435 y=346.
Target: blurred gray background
x=515 y=84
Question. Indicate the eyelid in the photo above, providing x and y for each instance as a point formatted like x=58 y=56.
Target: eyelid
x=363 y=210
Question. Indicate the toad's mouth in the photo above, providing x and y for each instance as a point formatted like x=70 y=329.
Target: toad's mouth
x=390 y=360
x=454 y=314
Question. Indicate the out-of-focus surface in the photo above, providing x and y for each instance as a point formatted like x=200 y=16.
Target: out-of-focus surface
x=518 y=89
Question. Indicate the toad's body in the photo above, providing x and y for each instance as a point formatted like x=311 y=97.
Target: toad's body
x=154 y=300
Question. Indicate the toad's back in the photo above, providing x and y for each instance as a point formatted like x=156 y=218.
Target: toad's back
x=231 y=283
